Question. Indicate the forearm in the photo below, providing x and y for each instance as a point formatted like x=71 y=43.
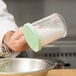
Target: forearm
x=7 y=24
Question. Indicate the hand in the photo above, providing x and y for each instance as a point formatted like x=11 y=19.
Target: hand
x=16 y=40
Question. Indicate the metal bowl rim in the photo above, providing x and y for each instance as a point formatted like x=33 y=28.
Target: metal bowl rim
x=48 y=68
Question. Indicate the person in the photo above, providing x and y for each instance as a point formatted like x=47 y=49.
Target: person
x=10 y=34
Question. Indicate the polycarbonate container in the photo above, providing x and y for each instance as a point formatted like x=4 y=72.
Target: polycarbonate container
x=45 y=31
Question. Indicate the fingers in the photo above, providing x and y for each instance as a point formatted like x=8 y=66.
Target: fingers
x=18 y=34
x=25 y=47
x=22 y=41
x=18 y=42
x=21 y=45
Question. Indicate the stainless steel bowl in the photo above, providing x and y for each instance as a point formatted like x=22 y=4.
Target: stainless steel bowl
x=27 y=67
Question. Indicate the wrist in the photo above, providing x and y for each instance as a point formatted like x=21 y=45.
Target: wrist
x=6 y=51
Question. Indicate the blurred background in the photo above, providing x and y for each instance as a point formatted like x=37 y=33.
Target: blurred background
x=62 y=51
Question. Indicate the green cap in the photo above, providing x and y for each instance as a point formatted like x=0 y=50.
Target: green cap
x=32 y=37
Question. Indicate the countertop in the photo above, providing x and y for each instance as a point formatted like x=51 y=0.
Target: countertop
x=62 y=72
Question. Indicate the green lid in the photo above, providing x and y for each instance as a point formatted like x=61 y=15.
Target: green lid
x=32 y=37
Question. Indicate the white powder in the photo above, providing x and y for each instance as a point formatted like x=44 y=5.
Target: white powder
x=49 y=35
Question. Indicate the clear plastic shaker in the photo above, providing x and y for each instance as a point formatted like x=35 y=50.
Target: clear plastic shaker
x=45 y=31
